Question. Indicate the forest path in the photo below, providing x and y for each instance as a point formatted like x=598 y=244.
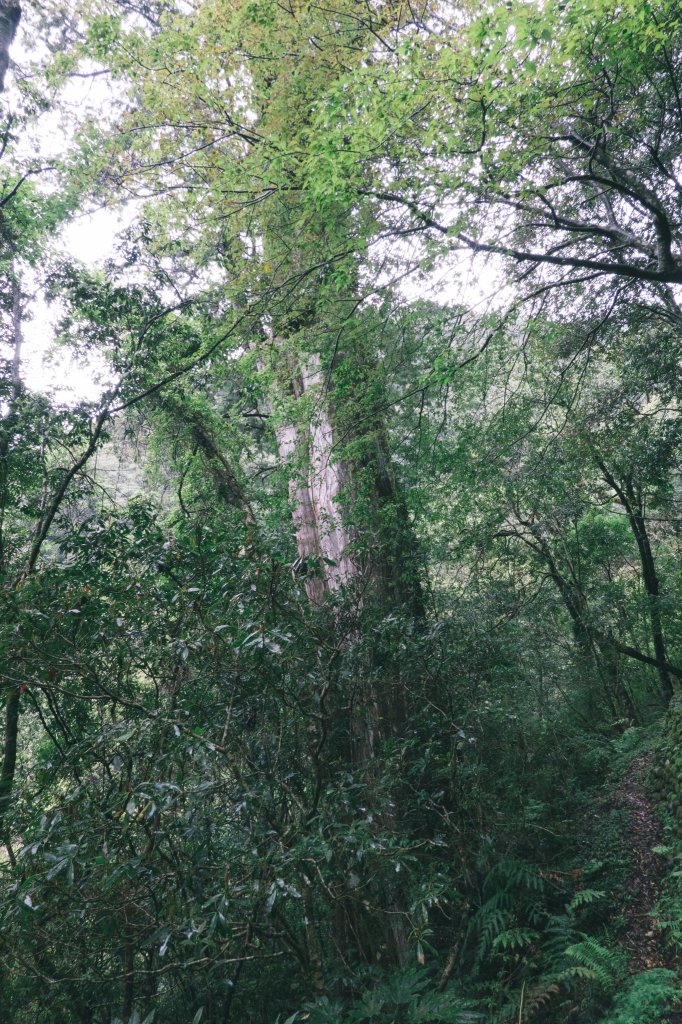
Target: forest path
x=639 y=935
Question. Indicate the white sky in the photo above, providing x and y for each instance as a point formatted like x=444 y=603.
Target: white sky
x=89 y=238
x=51 y=368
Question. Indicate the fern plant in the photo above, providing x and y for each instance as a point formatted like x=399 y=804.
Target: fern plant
x=646 y=999
x=542 y=957
x=605 y=965
x=403 y=998
x=511 y=912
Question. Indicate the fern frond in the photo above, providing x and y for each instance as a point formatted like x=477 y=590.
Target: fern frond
x=607 y=965
x=515 y=938
x=585 y=897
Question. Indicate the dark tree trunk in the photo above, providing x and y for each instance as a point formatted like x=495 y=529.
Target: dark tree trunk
x=597 y=651
x=631 y=501
x=7 y=427
x=9 y=757
x=10 y=13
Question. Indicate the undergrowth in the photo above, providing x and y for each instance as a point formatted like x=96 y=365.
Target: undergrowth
x=541 y=941
x=645 y=999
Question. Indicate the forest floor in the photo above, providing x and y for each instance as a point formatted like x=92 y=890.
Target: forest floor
x=640 y=937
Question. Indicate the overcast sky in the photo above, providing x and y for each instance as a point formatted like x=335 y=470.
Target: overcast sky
x=88 y=238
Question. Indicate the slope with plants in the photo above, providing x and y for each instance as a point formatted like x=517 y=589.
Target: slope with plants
x=338 y=716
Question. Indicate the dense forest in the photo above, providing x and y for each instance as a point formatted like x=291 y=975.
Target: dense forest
x=340 y=597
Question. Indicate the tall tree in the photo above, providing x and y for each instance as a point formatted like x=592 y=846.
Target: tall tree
x=300 y=273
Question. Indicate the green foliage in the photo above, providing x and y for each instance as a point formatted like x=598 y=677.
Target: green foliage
x=645 y=999
x=324 y=727
x=606 y=965
x=401 y=999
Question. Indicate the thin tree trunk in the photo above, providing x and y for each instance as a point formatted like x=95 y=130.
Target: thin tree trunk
x=12 y=699
x=128 y=969
x=632 y=652
x=10 y=14
x=228 y=485
x=596 y=650
x=9 y=756
x=9 y=422
x=609 y=662
x=313 y=941
x=632 y=503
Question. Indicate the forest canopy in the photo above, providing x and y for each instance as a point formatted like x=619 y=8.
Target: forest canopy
x=340 y=618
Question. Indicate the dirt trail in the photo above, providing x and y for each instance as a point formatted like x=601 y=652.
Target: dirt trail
x=639 y=935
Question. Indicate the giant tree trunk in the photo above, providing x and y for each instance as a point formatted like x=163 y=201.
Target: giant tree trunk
x=318 y=477
x=341 y=487
x=375 y=561
x=365 y=565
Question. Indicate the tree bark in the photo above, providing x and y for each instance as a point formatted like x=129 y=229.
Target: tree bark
x=10 y=14
x=373 y=561
x=596 y=649
x=9 y=757
x=631 y=501
x=9 y=422
x=317 y=480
